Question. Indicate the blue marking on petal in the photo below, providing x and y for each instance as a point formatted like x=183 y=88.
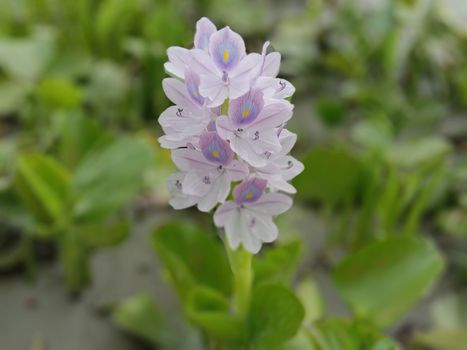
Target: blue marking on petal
x=192 y=86
x=249 y=191
x=215 y=149
x=245 y=109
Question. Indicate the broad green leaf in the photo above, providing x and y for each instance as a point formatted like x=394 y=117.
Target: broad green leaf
x=192 y=257
x=453 y=13
x=330 y=175
x=12 y=95
x=74 y=259
x=454 y=221
x=275 y=316
x=59 y=93
x=209 y=309
x=139 y=315
x=102 y=235
x=278 y=263
x=382 y=281
x=331 y=111
x=310 y=297
x=443 y=339
x=42 y=185
x=79 y=136
x=340 y=334
x=108 y=178
x=421 y=152
x=27 y=58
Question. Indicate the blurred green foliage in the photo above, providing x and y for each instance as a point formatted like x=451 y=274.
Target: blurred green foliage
x=380 y=115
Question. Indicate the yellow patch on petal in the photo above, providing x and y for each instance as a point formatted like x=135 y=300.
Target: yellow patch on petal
x=215 y=153
x=226 y=55
x=249 y=195
x=245 y=113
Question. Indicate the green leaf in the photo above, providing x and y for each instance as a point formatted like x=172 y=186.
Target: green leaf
x=323 y=178
x=108 y=178
x=275 y=316
x=192 y=257
x=443 y=339
x=42 y=185
x=80 y=135
x=102 y=235
x=340 y=334
x=12 y=95
x=59 y=93
x=25 y=59
x=382 y=281
x=454 y=221
x=209 y=309
x=277 y=264
x=74 y=259
x=139 y=315
x=310 y=297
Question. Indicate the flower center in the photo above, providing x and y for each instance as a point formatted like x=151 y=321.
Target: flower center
x=245 y=113
x=215 y=153
x=225 y=55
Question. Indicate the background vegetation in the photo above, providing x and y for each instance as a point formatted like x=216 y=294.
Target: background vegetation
x=380 y=220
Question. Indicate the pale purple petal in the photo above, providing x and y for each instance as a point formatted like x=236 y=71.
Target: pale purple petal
x=202 y=63
x=271 y=65
x=224 y=213
x=179 y=200
x=225 y=127
x=284 y=89
x=234 y=229
x=265 y=141
x=244 y=149
x=249 y=191
x=290 y=167
x=237 y=170
x=215 y=149
x=197 y=183
x=245 y=109
x=249 y=67
x=204 y=29
x=190 y=159
x=213 y=88
x=262 y=227
x=271 y=204
x=218 y=192
x=273 y=115
x=177 y=93
x=249 y=241
x=179 y=58
x=173 y=119
x=287 y=140
x=192 y=82
x=227 y=48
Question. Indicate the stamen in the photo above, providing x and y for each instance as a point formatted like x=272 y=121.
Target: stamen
x=225 y=77
x=256 y=136
x=289 y=164
x=207 y=180
x=282 y=85
x=252 y=222
x=179 y=113
x=178 y=184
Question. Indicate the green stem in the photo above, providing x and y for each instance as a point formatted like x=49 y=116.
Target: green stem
x=240 y=263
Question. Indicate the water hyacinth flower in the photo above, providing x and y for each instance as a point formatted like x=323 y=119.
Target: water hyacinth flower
x=227 y=126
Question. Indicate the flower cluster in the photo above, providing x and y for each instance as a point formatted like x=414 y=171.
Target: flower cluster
x=227 y=126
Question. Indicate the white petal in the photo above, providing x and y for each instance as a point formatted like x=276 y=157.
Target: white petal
x=182 y=202
x=265 y=141
x=273 y=115
x=249 y=67
x=271 y=204
x=179 y=57
x=287 y=140
x=249 y=241
x=238 y=87
x=233 y=229
x=211 y=198
x=244 y=149
x=202 y=63
x=224 y=127
x=237 y=170
x=190 y=159
x=178 y=94
x=271 y=65
x=193 y=184
x=264 y=228
x=224 y=213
